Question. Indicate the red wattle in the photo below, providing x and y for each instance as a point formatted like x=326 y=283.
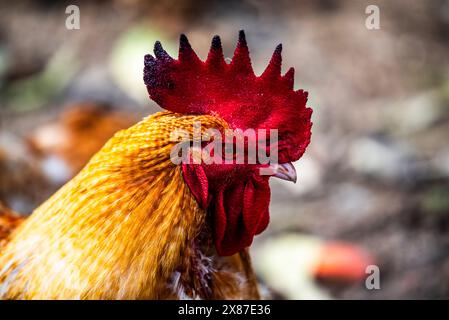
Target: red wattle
x=196 y=179
x=238 y=211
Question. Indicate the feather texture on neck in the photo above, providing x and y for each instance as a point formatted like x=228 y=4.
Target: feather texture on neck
x=117 y=230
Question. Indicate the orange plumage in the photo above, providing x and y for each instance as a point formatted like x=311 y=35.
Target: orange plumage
x=119 y=229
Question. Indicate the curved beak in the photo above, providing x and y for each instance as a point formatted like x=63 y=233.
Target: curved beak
x=284 y=171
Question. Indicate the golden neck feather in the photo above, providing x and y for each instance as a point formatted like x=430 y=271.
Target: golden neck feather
x=116 y=230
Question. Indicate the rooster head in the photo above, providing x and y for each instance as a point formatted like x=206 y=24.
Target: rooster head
x=236 y=196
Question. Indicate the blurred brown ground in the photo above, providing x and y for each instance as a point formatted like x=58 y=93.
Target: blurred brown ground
x=377 y=171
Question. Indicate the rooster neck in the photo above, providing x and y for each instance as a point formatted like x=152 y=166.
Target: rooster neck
x=117 y=230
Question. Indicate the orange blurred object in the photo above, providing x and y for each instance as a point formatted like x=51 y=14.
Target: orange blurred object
x=9 y=220
x=340 y=261
x=79 y=133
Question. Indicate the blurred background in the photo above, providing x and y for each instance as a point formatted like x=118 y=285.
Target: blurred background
x=373 y=188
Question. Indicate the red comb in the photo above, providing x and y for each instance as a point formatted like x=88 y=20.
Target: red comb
x=232 y=91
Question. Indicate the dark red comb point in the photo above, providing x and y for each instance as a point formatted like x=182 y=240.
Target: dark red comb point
x=148 y=60
x=241 y=62
x=242 y=38
x=216 y=43
x=160 y=53
x=289 y=78
x=186 y=52
x=274 y=67
x=215 y=57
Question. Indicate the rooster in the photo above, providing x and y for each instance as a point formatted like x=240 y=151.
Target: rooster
x=135 y=225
